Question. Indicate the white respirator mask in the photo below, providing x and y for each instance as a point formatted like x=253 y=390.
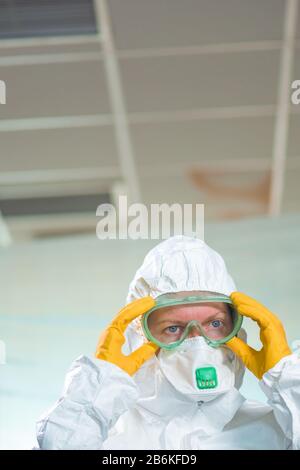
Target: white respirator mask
x=198 y=371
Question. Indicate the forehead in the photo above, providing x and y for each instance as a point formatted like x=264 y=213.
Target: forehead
x=191 y=312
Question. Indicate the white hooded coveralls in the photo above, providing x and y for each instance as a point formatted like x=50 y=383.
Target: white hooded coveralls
x=102 y=407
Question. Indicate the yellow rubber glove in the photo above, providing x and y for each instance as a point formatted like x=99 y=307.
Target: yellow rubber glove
x=272 y=336
x=112 y=339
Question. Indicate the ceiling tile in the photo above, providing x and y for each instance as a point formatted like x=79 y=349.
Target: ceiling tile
x=294 y=136
x=216 y=140
x=163 y=23
x=58 y=149
x=163 y=84
x=291 y=195
x=55 y=90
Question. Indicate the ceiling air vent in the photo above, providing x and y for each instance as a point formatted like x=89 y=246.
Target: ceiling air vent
x=31 y=18
x=53 y=205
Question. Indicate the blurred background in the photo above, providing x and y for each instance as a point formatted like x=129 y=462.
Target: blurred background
x=164 y=101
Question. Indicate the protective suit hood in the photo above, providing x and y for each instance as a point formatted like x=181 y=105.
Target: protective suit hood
x=181 y=264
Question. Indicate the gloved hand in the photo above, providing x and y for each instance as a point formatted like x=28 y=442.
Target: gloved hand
x=111 y=340
x=272 y=336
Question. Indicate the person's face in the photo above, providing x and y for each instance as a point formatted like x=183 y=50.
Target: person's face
x=168 y=324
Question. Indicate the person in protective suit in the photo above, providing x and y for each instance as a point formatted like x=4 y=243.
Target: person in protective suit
x=137 y=395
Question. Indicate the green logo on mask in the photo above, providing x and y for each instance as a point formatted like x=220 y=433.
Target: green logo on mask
x=206 y=377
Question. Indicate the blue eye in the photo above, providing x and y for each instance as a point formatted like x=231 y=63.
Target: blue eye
x=172 y=329
x=216 y=323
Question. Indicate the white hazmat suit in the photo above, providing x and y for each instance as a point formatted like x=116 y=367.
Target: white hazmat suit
x=103 y=407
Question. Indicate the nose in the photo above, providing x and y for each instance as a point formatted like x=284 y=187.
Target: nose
x=194 y=332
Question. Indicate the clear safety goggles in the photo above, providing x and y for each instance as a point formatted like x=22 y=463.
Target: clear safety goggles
x=165 y=327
